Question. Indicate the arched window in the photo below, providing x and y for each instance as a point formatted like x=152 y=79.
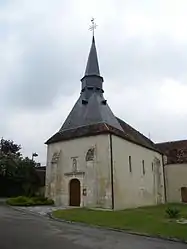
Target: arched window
x=90 y=154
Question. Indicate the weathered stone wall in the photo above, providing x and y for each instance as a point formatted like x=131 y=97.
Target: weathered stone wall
x=176 y=178
x=87 y=159
x=135 y=188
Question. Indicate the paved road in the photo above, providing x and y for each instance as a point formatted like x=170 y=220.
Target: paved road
x=19 y=230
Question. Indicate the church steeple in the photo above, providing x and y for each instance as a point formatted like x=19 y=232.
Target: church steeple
x=92 y=67
x=91 y=114
x=92 y=76
x=91 y=107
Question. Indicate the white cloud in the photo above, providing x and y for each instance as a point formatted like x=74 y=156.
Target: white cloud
x=173 y=97
x=44 y=47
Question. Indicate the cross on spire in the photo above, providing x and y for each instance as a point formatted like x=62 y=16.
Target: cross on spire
x=92 y=67
x=93 y=26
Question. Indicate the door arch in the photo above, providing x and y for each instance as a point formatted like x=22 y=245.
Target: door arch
x=184 y=194
x=74 y=193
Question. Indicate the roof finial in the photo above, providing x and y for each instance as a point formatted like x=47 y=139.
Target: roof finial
x=93 y=26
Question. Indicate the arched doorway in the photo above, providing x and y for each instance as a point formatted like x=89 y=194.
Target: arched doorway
x=184 y=194
x=74 y=193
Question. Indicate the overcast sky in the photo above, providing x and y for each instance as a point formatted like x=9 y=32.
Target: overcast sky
x=44 y=45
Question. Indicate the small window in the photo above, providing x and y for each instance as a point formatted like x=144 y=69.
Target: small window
x=104 y=102
x=152 y=166
x=84 y=101
x=130 y=164
x=90 y=154
x=143 y=167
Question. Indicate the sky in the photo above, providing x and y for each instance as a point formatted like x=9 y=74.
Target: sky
x=44 y=46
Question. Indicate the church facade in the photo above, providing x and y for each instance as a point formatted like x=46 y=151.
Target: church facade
x=98 y=160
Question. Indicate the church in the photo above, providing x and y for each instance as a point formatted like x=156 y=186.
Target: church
x=97 y=160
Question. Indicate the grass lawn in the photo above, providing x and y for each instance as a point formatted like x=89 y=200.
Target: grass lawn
x=151 y=220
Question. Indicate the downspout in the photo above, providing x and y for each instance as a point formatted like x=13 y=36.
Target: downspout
x=112 y=172
x=164 y=178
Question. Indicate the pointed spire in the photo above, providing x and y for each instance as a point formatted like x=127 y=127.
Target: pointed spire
x=92 y=68
x=92 y=79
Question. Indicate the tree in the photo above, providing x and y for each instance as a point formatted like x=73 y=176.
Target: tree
x=17 y=174
x=8 y=147
x=9 y=157
x=26 y=175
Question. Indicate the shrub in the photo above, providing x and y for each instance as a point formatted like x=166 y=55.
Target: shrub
x=49 y=202
x=173 y=212
x=18 y=201
x=39 y=199
x=32 y=201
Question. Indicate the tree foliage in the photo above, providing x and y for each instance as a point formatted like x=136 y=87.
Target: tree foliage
x=8 y=147
x=17 y=174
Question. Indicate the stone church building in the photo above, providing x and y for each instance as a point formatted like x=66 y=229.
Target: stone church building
x=98 y=160
x=175 y=169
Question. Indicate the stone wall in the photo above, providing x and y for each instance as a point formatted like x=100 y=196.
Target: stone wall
x=176 y=178
x=144 y=185
x=86 y=159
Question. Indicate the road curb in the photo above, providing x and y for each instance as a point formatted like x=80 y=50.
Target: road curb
x=50 y=215
x=27 y=211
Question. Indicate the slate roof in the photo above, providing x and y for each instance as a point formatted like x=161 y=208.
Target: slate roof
x=176 y=151
x=95 y=111
x=91 y=107
x=91 y=114
x=128 y=133
x=92 y=67
x=137 y=137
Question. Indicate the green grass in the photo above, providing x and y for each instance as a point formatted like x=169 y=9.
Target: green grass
x=150 y=220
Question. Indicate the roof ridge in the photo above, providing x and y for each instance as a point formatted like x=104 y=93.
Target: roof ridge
x=174 y=141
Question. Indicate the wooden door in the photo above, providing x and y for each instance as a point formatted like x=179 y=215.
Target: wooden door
x=74 y=192
x=184 y=194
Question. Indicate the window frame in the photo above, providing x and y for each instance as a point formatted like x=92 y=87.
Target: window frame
x=130 y=164
x=143 y=167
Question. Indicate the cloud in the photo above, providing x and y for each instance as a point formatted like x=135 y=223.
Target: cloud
x=44 y=47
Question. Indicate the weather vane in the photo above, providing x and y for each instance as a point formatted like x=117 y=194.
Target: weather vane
x=93 y=26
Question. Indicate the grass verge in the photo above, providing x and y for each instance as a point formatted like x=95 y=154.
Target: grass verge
x=150 y=220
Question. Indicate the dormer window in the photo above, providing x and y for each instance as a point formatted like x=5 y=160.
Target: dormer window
x=84 y=101
x=104 y=102
x=90 y=87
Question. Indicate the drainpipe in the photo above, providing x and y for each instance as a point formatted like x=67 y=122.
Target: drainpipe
x=164 y=178
x=112 y=172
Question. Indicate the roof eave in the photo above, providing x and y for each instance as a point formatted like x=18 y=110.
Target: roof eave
x=59 y=139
